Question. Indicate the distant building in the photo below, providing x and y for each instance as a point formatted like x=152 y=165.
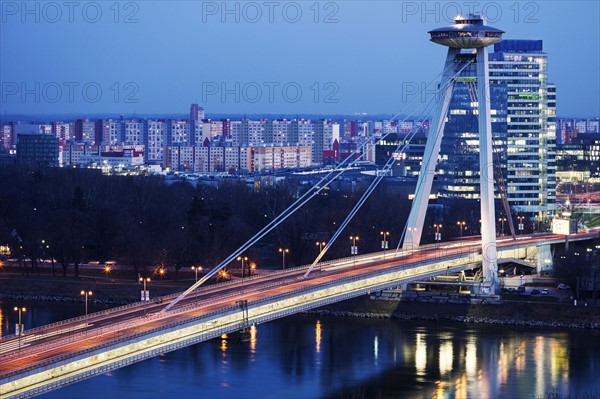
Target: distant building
x=277 y=132
x=7 y=136
x=407 y=155
x=132 y=130
x=113 y=159
x=324 y=132
x=196 y=113
x=40 y=150
x=85 y=131
x=108 y=132
x=302 y=132
x=178 y=132
x=155 y=140
x=233 y=159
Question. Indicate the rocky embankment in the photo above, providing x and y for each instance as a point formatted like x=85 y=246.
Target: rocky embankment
x=513 y=314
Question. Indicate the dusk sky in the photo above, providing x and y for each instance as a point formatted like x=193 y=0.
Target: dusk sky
x=341 y=57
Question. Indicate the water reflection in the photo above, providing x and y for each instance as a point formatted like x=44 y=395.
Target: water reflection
x=420 y=354
x=306 y=357
x=253 y=340
x=446 y=357
x=318 y=336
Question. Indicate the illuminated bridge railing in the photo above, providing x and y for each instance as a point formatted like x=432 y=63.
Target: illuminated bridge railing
x=457 y=253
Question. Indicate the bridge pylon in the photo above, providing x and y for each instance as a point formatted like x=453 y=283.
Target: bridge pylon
x=468 y=32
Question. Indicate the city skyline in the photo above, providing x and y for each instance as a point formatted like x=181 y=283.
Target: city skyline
x=357 y=58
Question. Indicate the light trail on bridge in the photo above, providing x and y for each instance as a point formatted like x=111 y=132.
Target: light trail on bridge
x=75 y=336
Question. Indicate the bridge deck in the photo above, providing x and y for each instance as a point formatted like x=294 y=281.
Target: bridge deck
x=214 y=308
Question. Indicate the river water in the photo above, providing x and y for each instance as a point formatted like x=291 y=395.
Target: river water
x=306 y=356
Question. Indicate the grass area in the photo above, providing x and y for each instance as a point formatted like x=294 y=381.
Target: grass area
x=68 y=288
x=531 y=298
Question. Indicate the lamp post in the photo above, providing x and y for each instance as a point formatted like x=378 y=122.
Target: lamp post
x=461 y=224
x=86 y=294
x=197 y=269
x=384 y=239
x=354 y=248
x=242 y=259
x=19 y=328
x=320 y=244
x=521 y=224
x=438 y=235
x=502 y=220
x=145 y=293
x=283 y=251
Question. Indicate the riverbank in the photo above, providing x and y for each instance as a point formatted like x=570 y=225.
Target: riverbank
x=120 y=292
x=60 y=289
x=506 y=313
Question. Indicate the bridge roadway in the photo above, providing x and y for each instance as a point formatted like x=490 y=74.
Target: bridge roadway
x=51 y=356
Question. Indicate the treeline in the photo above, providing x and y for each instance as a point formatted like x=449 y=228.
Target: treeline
x=77 y=215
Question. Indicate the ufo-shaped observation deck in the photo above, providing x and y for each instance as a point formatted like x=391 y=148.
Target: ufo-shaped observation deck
x=467 y=32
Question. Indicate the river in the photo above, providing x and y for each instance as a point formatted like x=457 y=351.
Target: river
x=306 y=356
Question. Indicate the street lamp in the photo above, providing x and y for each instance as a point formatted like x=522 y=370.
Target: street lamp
x=19 y=328
x=521 y=224
x=384 y=239
x=502 y=220
x=86 y=294
x=283 y=251
x=145 y=293
x=196 y=269
x=223 y=274
x=354 y=248
x=242 y=259
x=461 y=224
x=321 y=244
x=438 y=235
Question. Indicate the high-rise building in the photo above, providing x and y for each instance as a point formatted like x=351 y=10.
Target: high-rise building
x=323 y=138
x=196 y=113
x=302 y=131
x=155 y=139
x=7 y=136
x=39 y=150
x=277 y=132
x=523 y=117
x=178 y=132
x=522 y=66
x=85 y=131
x=252 y=132
x=108 y=132
x=132 y=130
x=458 y=164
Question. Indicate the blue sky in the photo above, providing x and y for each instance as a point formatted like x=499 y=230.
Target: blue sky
x=266 y=56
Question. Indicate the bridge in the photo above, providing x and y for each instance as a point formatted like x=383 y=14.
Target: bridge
x=49 y=357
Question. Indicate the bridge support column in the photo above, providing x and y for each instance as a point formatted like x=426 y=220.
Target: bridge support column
x=541 y=256
x=486 y=176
